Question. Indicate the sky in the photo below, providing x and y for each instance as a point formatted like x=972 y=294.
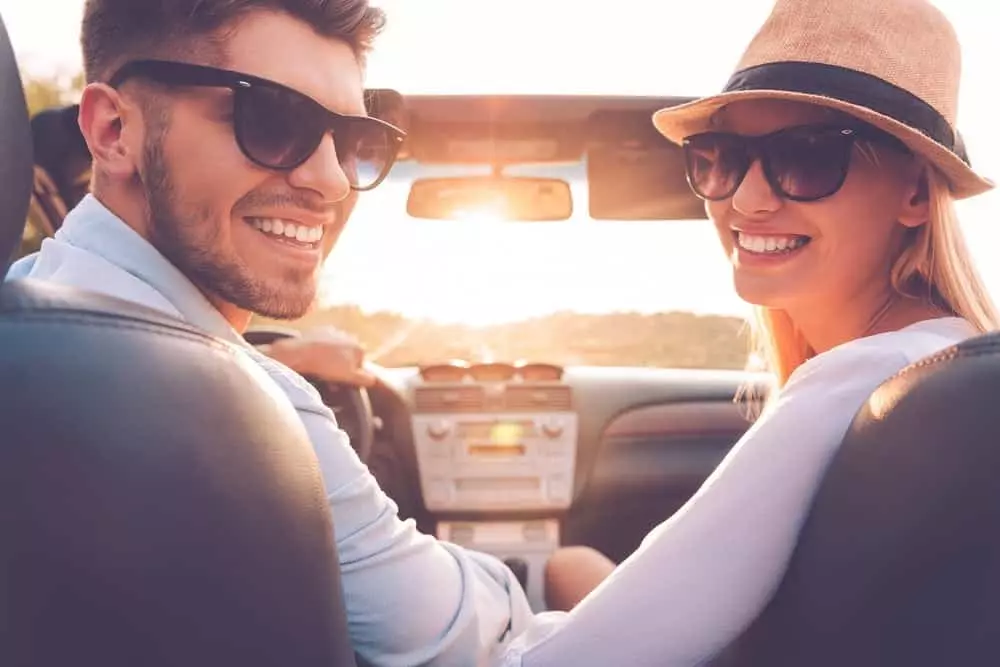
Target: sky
x=483 y=272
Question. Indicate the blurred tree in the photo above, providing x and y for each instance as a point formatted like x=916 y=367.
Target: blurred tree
x=44 y=92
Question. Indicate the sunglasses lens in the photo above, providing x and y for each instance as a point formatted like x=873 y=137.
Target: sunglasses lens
x=808 y=165
x=276 y=128
x=716 y=164
x=279 y=130
x=366 y=150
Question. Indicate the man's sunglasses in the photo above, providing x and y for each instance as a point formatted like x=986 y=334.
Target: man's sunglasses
x=802 y=163
x=278 y=127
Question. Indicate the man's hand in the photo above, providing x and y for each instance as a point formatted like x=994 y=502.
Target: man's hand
x=325 y=353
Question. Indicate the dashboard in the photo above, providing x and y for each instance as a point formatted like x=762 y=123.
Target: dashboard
x=494 y=437
x=517 y=460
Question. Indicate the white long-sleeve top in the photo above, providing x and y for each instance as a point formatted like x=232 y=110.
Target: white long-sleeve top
x=701 y=577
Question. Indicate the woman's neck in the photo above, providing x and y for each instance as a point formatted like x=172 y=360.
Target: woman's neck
x=828 y=326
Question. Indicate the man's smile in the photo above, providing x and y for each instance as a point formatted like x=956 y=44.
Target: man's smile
x=289 y=232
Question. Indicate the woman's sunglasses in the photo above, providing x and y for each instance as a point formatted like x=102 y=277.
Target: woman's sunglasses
x=802 y=163
x=277 y=127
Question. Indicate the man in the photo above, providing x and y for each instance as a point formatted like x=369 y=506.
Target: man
x=61 y=151
x=216 y=195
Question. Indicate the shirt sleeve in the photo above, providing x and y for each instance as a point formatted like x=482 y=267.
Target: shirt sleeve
x=699 y=578
x=411 y=599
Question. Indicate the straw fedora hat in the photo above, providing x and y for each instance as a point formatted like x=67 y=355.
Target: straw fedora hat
x=894 y=64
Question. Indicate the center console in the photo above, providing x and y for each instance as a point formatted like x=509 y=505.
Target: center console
x=496 y=441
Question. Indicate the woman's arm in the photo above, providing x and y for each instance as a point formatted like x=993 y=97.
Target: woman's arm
x=703 y=575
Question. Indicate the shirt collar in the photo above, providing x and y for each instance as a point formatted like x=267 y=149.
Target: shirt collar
x=92 y=227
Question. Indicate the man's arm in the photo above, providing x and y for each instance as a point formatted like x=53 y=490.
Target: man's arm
x=325 y=353
x=411 y=599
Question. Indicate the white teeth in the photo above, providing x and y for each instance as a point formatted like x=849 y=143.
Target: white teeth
x=770 y=244
x=287 y=229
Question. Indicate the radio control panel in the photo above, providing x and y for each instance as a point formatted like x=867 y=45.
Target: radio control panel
x=499 y=461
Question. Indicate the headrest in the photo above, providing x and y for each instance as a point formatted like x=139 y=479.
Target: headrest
x=16 y=160
x=61 y=150
x=56 y=135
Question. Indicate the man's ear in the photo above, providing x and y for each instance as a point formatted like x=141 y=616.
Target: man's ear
x=916 y=205
x=112 y=129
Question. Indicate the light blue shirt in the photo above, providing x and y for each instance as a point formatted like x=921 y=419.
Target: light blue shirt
x=411 y=599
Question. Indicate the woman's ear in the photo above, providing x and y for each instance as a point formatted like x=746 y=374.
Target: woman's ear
x=915 y=209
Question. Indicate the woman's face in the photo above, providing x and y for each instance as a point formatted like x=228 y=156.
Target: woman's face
x=829 y=253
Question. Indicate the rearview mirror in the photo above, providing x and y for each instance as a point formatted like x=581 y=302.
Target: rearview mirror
x=516 y=199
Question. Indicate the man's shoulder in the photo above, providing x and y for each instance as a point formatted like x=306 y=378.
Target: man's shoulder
x=303 y=395
x=61 y=263
x=22 y=267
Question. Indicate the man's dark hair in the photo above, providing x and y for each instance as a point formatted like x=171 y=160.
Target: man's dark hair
x=118 y=30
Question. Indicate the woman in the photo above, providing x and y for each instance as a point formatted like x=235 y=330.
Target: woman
x=829 y=167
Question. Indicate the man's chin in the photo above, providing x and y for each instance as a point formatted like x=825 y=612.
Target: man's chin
x=282 y=304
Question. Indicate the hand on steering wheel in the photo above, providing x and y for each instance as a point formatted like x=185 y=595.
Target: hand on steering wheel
x=324 y=353
x=332 y=361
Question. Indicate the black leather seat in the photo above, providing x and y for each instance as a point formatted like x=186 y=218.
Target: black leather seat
x=158 y=505
x=899 y=560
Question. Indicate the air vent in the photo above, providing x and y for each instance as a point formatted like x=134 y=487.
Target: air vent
x=535 y=398
x=468 y=398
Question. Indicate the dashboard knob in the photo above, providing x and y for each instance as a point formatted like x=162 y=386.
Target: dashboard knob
x=438 y=430
x=552 y=428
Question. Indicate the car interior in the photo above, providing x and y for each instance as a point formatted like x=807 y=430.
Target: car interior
x=512 y=458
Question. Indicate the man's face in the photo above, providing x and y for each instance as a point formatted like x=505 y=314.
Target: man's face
x=246 y=235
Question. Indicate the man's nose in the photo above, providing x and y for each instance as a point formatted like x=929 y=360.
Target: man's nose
x=754 y=194
x=323 y=173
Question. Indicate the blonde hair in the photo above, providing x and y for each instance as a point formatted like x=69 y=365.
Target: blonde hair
x=935 y=266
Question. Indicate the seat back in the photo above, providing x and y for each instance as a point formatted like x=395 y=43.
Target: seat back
x=160 y=502
x=898 y=562
x=16 y=156
x=47 y=208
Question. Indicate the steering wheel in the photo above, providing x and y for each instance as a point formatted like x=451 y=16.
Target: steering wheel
x=351 y=404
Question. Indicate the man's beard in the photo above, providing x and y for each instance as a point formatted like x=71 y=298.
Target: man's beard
x=189 y=240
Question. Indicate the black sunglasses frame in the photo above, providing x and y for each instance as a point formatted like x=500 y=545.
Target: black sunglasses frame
x=173 y=73
x=756 y=149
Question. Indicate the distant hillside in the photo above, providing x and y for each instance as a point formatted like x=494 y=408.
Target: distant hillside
x=677 y=340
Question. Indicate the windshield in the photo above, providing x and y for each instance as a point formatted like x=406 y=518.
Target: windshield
x=579 y=291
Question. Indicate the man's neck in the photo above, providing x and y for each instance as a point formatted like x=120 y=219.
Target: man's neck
x=135 y=218
x=238 y=318
x=125 y=209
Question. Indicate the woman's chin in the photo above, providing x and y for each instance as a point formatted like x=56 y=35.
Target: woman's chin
x=756 y=292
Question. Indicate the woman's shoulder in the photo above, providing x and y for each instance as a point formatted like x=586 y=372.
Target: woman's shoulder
x=880 y=356
x=823 y=395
